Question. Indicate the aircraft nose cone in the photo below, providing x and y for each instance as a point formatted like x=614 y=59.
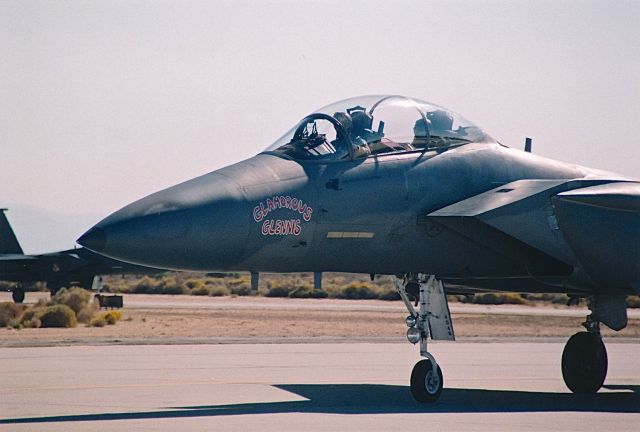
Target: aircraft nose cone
x=95 y=239
x=198 y=225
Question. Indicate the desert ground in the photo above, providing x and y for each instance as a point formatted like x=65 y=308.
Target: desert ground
x=169 y=319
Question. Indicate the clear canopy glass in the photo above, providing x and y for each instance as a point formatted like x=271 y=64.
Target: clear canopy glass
x=370 y=125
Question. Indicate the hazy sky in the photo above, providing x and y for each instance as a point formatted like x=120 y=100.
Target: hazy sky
x=103 y=102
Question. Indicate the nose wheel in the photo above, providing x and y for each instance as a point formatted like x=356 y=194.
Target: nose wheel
x=426 y=385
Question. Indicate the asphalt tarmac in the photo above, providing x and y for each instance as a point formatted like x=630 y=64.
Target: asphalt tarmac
x=310 y=387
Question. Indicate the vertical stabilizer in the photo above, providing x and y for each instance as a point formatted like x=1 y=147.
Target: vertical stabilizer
x=8 y=241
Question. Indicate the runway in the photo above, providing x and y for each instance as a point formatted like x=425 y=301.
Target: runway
x=316 y=387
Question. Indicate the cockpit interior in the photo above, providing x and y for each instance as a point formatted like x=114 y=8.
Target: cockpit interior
x=373 y=125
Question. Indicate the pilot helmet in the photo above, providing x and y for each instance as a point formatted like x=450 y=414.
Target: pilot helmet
x=344 y=119
x=421 y=128
x=440 y=120
x=361 y=121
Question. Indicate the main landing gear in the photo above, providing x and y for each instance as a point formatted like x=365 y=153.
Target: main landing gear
x=431 y=319
x=584 y=359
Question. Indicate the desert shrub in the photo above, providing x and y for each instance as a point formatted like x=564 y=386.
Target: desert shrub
x=98 y=321
x=389 y=295
x=33 y=312
x=633 y=302
x=277 y=291
x=169 y=285
x=241 y=290
x=193 y=284
x=58 y=315
x=112 y=317
x=173 y=290
x=280 y=287
x=75 y=298
x=31 y=323
x=146 y=285
x=10 y=311
x=219 y=290
x=87 y=312
x=307 y=291
x=357 y=291
x=81 y=301
x=106 y=318
x=240 y=286
x=547 y=297
x=499 y=298
x=202 y=290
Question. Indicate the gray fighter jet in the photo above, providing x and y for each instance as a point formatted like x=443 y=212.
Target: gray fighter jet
x=394 y=185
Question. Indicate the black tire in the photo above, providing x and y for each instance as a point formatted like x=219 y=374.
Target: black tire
x=18 y=295
x=423 y=388
x=584 y=363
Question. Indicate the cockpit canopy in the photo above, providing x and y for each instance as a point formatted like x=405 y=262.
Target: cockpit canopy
x=371 y=125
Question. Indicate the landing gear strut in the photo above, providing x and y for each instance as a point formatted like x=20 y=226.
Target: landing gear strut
x=584 y=359
x=431 y=319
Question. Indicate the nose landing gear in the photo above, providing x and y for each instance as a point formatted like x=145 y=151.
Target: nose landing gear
x=432 y=319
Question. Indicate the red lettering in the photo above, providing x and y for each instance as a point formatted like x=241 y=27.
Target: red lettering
x=307 y=214
x=281 y=226
x=257 y=214
x=288 y=227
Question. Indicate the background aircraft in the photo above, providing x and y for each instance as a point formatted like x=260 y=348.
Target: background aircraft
x=394 y=185
x=73 y=267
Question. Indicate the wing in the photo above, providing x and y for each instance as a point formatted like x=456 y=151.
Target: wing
x=36 y=267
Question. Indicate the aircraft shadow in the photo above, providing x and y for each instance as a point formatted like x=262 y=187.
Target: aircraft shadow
x=385 y=399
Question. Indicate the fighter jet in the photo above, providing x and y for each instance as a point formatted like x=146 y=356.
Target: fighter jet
x=398 y=186
x=73 y=267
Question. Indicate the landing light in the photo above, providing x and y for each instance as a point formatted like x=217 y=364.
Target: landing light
x=414 y=335
x=411 y=321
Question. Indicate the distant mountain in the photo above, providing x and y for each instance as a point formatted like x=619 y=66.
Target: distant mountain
x=40 y=230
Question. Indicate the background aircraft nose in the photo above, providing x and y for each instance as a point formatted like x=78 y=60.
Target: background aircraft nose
x=198 y=225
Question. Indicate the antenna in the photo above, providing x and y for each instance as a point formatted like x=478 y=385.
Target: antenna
x=527 y=144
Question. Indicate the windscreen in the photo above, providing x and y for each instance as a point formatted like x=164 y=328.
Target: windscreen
x=370 y=125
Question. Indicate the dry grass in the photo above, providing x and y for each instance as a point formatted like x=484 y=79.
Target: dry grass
x=9 y=312
x=106 y=318
x=79 y=300
x=299 y=285
x=58 y=315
